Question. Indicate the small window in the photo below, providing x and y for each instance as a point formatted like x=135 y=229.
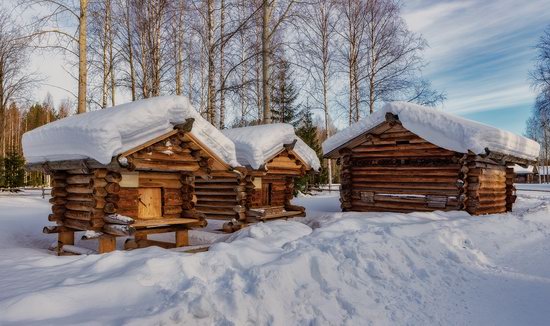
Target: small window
x=401 y=142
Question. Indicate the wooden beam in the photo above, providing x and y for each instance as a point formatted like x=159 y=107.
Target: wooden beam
x=182 y=238
x=106 y=244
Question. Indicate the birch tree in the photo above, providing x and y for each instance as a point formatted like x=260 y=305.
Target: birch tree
x=53 y=33
x=15 y=80
x=270 y=25
x=317 y=30
x=352 y=32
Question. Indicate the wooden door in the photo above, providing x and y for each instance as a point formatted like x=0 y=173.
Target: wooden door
x=150 y=203
x=266 y=194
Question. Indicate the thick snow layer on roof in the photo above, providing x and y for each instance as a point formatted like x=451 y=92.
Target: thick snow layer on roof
x=256 y=144
x=444 y=130
x=521 y=170
x=102 y=134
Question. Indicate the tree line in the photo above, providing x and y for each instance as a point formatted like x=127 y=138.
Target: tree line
x=240 y=62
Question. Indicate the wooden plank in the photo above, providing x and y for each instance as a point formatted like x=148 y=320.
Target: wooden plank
x=106 y=244
x=160 y=183
x=182 y=238
x=405 y=178
x=165 y=166
x=65 y=238
x=407 y=185
x=164 y=221
x=150 y=203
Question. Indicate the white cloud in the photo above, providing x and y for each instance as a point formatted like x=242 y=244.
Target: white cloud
x=480 y=51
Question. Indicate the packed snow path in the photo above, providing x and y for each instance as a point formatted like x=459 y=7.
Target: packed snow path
x=334 y=268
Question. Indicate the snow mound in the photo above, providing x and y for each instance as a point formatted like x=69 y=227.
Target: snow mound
x=436 y=268
x=102 y=134
x=442 y=129
x=256 y=144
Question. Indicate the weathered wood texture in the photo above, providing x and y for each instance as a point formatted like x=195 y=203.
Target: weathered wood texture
x=160 y=174
x=395 y=170
x=253 y=196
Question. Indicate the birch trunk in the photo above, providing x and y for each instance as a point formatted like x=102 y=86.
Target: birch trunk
x=82 y=57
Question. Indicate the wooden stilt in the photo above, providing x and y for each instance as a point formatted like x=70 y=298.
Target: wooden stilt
x=140 y=236
x=66 y=238
x=182 y=238
x=106 y=244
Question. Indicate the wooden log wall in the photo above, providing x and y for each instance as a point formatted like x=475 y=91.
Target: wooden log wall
x=401 y=172
x=510 y=189
x=177 y=153
x=284 y=164
x=278 y=191
x=81 y=198
x=189 y=198
x=128 y=202
x=398 y=171
x=220 y=197
x=487 y=189
x=177 y=190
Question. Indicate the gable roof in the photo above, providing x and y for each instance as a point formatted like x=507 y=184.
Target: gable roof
x=442 y=129
x=105 y=133
x=255 y=145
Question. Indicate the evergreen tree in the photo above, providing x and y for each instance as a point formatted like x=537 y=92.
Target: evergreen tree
x=284 y=109
x=308 y=132
x=12 y=172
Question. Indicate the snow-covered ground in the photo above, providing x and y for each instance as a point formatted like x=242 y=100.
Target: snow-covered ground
x=328 y=268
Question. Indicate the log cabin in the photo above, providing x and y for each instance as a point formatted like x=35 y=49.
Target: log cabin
x=272 y=157
x=128 y=171
x=406 y=158
x=525 y=174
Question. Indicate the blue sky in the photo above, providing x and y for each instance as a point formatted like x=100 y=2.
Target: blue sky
x=480 y=54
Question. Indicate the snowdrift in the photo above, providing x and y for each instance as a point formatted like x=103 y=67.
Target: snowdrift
x=338 y=268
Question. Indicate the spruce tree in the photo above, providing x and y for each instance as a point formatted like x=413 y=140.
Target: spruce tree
x=308 y=132
x=283 y=108
x=12 y=172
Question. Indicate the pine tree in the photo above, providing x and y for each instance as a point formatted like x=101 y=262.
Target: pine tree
x=284 y=109
x=12 y=172
x=308 y=132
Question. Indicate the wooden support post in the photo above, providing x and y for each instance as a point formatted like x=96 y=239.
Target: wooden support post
x=65 y=238
x=106 y=244
x=140 y=236
x=182 y=238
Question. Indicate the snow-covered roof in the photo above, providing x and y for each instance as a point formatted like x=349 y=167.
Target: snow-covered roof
x=521 y=170
x=442 y=129
x=256 y=144
x=102 y=134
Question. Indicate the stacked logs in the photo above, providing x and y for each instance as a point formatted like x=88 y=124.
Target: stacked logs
x=487 y=189
x=59 y=197
x=462 y=182
x=244 y=189
x=345 y=179
x=510 y=189
x=89 y=197
x=176 y=153
x=219 y=197
x=188 y=199
x=128 y=202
